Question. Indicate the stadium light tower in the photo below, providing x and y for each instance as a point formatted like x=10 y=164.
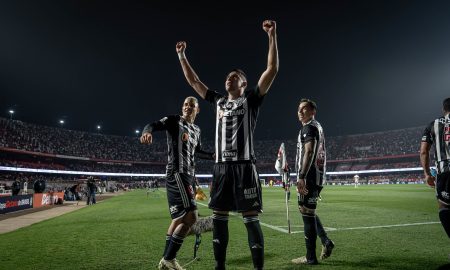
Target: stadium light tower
x=61 y=122
x=99 y=127
x=11 y=112
x=137 y=131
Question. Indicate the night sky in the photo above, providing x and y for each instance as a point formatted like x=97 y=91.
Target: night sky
x=369 y=65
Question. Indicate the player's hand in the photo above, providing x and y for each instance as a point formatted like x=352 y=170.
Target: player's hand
x=181 y=46
x=269 y=26
x=431 y=180
x=301 y=187
x=146 y=138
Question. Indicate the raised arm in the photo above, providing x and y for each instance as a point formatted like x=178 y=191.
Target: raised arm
x=267 y=77
x=189 y=73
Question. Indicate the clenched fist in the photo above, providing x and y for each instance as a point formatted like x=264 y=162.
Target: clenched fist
x=146 y=138
x=269 y=26
x=181 y=46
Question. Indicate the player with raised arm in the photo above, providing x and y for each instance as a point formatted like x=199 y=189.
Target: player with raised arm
x=236 y=184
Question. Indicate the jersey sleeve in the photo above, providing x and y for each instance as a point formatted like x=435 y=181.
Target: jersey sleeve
x=427 y=135
x=212 y=96
x=254 y=97
x=162 y=124
x=310 y=133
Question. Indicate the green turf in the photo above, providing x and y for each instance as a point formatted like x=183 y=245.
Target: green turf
x=128 y=231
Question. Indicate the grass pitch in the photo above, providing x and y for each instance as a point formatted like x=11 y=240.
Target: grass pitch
x=373 y=227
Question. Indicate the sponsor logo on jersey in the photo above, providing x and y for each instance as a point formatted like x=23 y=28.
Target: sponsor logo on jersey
x=185 y=137
x=447 y=133
x=229 y=153
x=173 y=209
x=234 y=112
x=250 y=193
x=312 y=200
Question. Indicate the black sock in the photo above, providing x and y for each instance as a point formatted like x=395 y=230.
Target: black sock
x=255 y=240
x=167 y=244
x=310 y=226
x=220 y=239
x=444 y=216
x=321 y=231
x=175 y=244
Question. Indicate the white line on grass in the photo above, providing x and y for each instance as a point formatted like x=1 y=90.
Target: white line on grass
x=378 y=227
x=276 y=228
x=280 y=228
x=389 y=226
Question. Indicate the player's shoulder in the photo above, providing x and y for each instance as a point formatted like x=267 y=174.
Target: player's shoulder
x=311 y=125
x=316 y=124
x=170 y=120
x=173 y=117
x=213 y=95
x=430 y=125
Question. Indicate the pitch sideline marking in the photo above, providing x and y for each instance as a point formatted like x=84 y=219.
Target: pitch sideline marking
x=276 y=228
x=377 y=227
x=280 y=229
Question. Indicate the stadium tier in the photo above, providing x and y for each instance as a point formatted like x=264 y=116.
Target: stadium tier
x=31 y=146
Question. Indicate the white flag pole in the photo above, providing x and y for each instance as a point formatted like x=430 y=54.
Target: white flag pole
x=282 y=168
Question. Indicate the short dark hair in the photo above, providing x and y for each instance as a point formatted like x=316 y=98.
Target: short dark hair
x=240 y=72
x=192 y=98
x=311 y=103
x=446 y=105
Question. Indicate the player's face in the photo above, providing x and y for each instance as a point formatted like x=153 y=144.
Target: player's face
x=190 y=108
x=235 y=83
x=305 y=112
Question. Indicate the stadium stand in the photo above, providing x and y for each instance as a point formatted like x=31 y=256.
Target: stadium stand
x=26 y=145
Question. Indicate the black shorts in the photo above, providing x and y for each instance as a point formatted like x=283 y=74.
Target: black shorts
x=235 y=187
x=180 y=194
x=443 y=187
x=309 y=200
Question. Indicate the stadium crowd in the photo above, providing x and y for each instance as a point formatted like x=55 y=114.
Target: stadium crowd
x=95 y=152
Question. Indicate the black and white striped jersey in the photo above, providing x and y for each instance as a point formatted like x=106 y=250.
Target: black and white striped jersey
x=312 y=131
x=183 y=142
x=235 y=125
x=438 y=134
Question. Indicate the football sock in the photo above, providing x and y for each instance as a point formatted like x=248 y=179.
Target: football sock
x=310 y=227
x=220 y=239
x=255 y=240
x=444 y=216
x=321 y=231
x=175 y=243
x=168 y=236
